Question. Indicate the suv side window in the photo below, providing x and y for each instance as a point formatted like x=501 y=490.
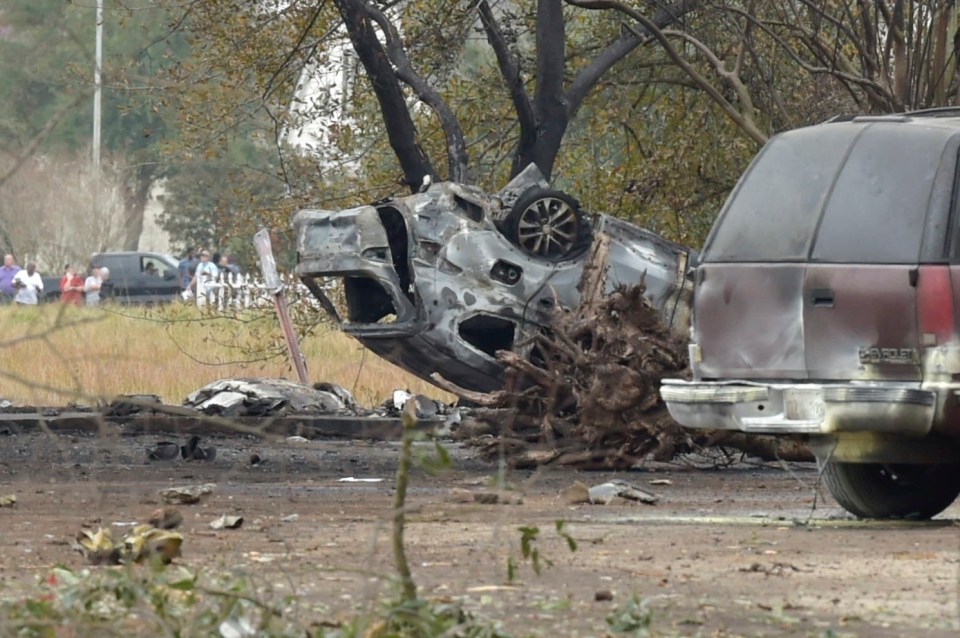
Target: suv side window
x=878 y=208
x=773 y=213
x=154 y=267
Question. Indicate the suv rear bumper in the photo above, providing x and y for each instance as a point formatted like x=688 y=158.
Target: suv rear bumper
x=807 y=408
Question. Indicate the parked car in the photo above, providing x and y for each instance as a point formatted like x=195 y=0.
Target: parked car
x=139 y=277
x=437 y=282
x=825 y=307
x=51 y=288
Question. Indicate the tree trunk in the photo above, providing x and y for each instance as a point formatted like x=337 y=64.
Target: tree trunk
x=135 y=194
x=393 y=105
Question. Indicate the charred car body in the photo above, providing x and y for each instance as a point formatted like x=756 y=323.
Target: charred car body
x=439 y=281
x=825 y=307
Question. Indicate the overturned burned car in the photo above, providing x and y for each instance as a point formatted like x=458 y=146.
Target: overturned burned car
x=437 y=282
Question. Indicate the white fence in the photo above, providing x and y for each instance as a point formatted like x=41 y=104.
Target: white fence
x=230 y=291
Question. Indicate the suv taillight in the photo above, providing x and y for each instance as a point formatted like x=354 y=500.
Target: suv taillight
x=934 y=305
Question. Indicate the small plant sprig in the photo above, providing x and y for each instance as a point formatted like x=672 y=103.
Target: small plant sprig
x=531 y=553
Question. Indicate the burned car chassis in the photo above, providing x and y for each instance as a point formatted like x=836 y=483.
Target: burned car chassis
x=439 y=281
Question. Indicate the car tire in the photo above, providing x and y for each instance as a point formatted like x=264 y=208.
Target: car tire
x=880 y=490
x=547 y=224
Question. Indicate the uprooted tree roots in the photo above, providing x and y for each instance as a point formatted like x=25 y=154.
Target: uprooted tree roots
x=589 y=393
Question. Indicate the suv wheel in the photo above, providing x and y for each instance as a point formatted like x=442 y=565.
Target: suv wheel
x=880 y=490
x=548 y=224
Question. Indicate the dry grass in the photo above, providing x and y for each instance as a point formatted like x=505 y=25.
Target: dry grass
x=54 y=355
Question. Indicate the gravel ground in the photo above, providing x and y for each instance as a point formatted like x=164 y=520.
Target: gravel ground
x=734 y=551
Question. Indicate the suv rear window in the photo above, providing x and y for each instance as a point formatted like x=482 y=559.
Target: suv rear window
x=772 y=215
x=878 y=208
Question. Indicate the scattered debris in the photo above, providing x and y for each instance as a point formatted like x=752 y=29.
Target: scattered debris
x=774 y=569
x=142 y=543
x=340 y=392
x=131 y=404
x=186 y=495
x=460 y=495
x=351 y=479
x=290 y=518
x=164 y=451
x=296 y=438
x=269 y=397
x=146 y=542
x=660 y=482
x=165 y=518
x=193 y=452
x=227 y=522
x=168 y=450
x=590 y=398
x=98 y=547
x=8 y=500
x=424 y=406
x=604 y=493
x=575 y=494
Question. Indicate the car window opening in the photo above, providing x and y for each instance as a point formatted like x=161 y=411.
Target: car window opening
x=488 y=334
x=396 y=229
x=367 y=301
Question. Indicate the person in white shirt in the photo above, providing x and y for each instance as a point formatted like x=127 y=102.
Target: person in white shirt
x=28 y=285
x=91 y=287
x=205 y=274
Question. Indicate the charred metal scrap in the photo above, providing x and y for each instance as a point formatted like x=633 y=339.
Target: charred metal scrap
x=439 y=281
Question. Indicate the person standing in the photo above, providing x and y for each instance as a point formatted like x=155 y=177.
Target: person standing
x=186 y=268
x=7 y=272
x=204 y=276
x=71 y=287
x=91 y=287
x=29 y=285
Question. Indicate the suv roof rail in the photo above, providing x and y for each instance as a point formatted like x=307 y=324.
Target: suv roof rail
x=846 y=117
x=940 y=111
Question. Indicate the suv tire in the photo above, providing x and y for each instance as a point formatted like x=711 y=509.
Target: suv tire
x=880 y=490
x=547 y=224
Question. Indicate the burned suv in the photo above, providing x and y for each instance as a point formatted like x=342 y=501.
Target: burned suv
x=825 y=307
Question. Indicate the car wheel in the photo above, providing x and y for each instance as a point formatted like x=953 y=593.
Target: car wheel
x=881 y=490
x=547 y=224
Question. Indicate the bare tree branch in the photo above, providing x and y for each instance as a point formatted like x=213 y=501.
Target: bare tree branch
x=400 y=127
x=510 y=70
x=456 y=147
x=588 y=77
x=37 y=140
x=741 y=117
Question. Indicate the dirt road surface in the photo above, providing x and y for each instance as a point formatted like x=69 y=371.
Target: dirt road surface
x=726 y=552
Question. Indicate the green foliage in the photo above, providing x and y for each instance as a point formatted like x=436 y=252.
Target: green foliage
x=174 y=601
x=633 y=618
x=218 y=200
x=530 y=551
x=50 y=58
x=126 y=601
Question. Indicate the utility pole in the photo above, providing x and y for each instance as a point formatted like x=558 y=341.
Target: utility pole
x=96 y=100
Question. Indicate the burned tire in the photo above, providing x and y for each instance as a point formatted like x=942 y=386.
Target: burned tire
x=880 y=490
x=547 y=224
